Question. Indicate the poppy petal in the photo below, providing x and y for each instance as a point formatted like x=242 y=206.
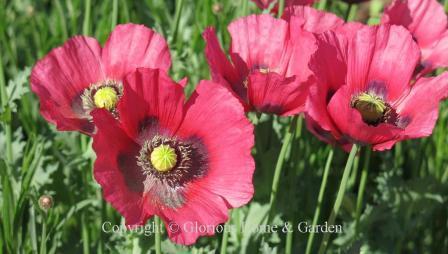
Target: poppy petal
x=425 y=19
x=271 y=93
x=417 y=111
x=228 y=143
x=201 y=214
x=150 y=94
x=116 y=170
x=385 y=55
x=311 y=19
x=219 y=65
x=258 y=42
x=131 y=46
x=436 y=55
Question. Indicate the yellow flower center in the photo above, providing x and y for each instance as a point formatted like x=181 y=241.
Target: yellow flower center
x=106 y=97
x=163 y=158
x=371 y=107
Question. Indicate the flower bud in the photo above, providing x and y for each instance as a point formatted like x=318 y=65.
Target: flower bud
x=45 y=202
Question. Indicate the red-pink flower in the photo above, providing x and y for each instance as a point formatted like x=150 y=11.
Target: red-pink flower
x=427 y=21
x=79 y=76
x=364 y=92
x=186 y=162
x=269 y=69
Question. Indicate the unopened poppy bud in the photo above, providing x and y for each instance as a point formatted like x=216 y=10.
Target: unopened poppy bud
x=45 y=202
x=217 y=8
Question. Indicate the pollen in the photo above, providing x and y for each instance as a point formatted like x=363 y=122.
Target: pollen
x=371 y=107
x=106 y=97
x=163 y=158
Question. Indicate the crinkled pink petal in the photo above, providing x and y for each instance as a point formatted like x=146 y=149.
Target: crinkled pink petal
x=222 y=70
x=264 y=4
x=436 y=55
x=200 y=216
x=331 y=71
x=131 y=46
x=260 y=41
x=349 y=29
x=425 y=19
x=228 y=143
x=151 y=95
x=382 y=54
x=303 y=45
x=116 y=170
x=419 y=110
x=311 y=19
x=216 y=58
x=272 y=93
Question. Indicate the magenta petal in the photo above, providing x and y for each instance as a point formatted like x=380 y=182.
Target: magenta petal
x=60 y=78
x=151 y=94
x=260 y=41
x=385 y=55
x=350 y=123
x=303 y=45
x=228 y=143
x=436 y=55
x=219 y=65
x=271 y=93
x=116 y=170
x=331 y=71
x=425 y=19
x=202 y=213
x=311 y=19
x=419 y=110
x=131 y=46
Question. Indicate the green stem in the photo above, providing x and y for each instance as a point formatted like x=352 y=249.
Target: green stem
x=320 y=198
x=339 y=197
x=158 y=235
x=289 y=238
x=225 y=237
x=86 y=22
x=244 y=8
x=62 y=16
x=114 y=14
x=4 y=104
x=279 y=166
x=85 y=234
x=322 y=5
x=179 y=7
x=281 y=8
x=347 y=12
x=43 y=239
x=362 y=186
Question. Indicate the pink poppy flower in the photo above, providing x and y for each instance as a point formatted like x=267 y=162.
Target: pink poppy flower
x=269 y=69
x=186 y=162
x=427 y=21
x=80 y=76
x=364 y=93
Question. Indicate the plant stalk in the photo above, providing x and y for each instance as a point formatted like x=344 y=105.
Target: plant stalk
x=339 y=197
